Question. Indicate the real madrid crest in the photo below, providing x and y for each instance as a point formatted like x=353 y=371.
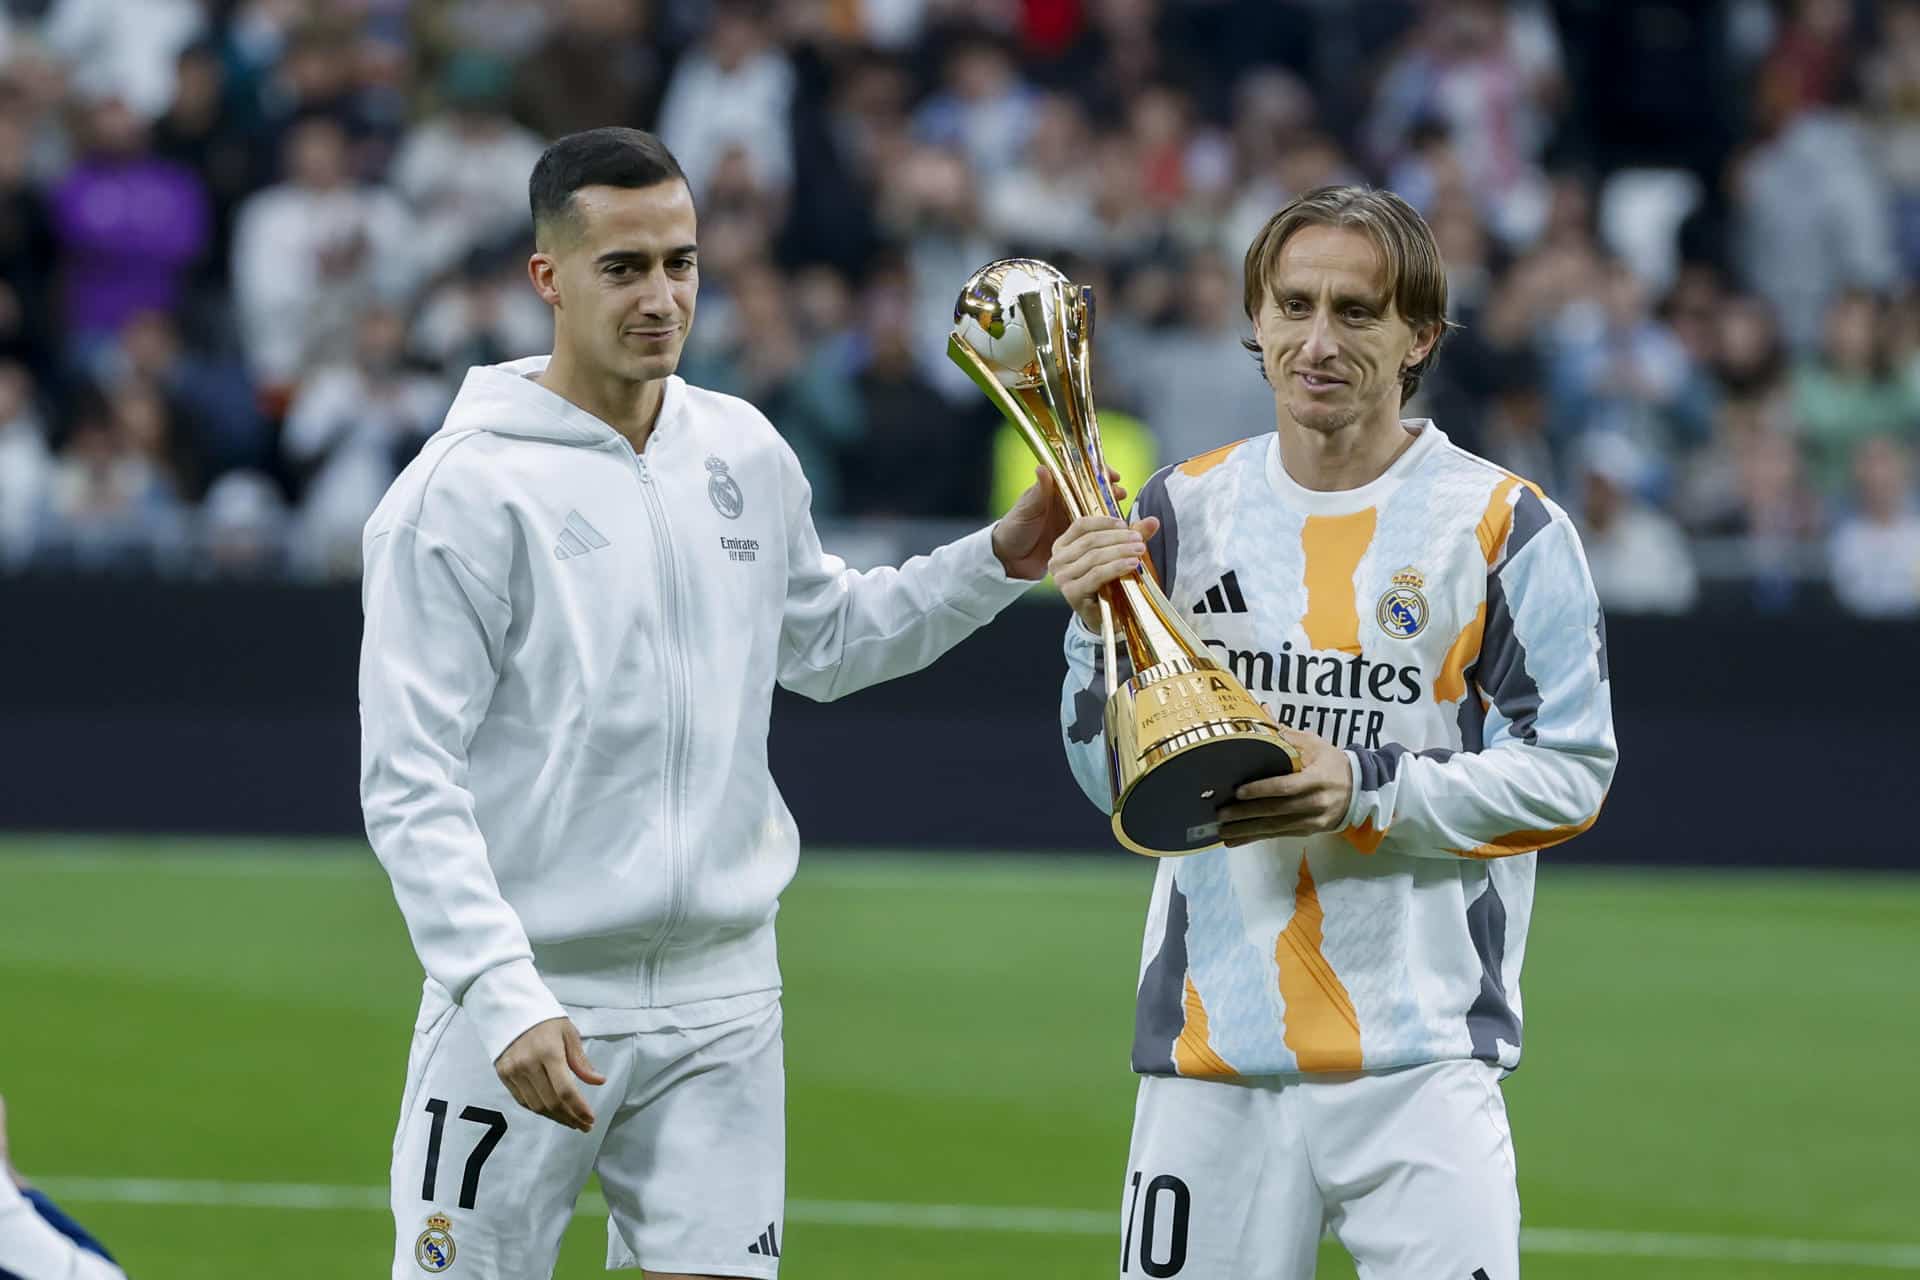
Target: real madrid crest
x=1403 y=610
x=723 y=491
x=434 y=1249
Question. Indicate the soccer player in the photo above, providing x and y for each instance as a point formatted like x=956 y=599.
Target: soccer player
x=37 y=1240
x=578 y=599
x=1327 y=1005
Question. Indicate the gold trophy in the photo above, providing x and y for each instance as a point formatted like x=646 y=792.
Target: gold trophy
x=1182 y=733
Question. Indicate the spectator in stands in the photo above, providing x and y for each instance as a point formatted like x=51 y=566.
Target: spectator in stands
x=37 y=1240
x=1892 y=77
x=921 y=455
x=1616 y=369
x=311 y=251
x=1196 y=385
x=506 y=30
x=734 y=89
x=309 y=71
x=932 y=207
x=1160 y=122
x=1750 y=359
x=203 y=131
x=850 y=130
x=1637 y=553
x=1125 y=46
x=26 y=466
x=483 y=314
x=126 y=49
x=128 y=225
x=1514 y=434
x=1850 y=392
x=1047 y=198
x=27 y=318
x=1778 y=515
x=210 y=396
x=1489 y=73
x=595 y=67
x=1875 y=553
x=1130 y=229
x=984 y=109
x=776 y=365
x=243 y=528
x=465 y=170
x=115 y=500
x=1809 y=62
x=1814 y=218
x=350 y=429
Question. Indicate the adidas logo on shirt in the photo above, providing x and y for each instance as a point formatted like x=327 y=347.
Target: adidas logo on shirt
x=767 y=1245
x=1223 y=596
x=577 y=538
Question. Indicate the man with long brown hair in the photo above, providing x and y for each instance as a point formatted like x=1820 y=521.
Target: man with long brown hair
x=1327 y=1005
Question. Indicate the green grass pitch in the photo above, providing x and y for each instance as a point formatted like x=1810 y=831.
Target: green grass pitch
x=1719 y=1084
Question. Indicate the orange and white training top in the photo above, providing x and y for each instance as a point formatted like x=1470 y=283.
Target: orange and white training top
x=1439 y=624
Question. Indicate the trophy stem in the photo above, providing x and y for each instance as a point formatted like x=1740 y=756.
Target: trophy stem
x=1108 y=639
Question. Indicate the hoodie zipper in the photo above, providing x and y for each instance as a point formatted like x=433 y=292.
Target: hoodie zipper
x=677 y=720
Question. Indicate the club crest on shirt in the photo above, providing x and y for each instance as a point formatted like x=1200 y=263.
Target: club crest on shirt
x=723 y=491
x=434 y=1249
x=1402 y=611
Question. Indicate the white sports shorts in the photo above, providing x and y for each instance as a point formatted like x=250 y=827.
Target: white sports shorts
x=1411 y=1170
x=689 y=1140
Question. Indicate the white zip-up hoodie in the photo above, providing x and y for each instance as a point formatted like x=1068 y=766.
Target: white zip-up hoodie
x=565 y=683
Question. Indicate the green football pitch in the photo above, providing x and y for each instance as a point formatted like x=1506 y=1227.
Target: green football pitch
x=201 y=1047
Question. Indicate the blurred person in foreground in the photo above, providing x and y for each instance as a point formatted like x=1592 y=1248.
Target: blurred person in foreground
x=578 y=600
x=37 y=1240
x=1423 y=624
x=1875 y=554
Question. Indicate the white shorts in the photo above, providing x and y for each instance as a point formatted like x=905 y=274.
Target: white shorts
x=689 y=1140
x=1411 y=1170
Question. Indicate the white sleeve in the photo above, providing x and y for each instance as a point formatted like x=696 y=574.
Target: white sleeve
x=31 y=1249
x=1541 y=683
x=429 y=661
x=844 y=630
x=1083 y=712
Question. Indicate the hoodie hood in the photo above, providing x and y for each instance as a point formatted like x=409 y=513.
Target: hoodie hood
x=505 y=400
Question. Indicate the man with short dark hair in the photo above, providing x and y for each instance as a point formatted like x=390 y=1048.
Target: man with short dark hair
x=578 y=600
x=1327 y=1005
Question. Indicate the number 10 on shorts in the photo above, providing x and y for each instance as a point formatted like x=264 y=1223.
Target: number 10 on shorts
x=1162 y=1251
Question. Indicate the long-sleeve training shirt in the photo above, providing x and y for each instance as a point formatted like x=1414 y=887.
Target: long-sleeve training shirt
x=1440 y=626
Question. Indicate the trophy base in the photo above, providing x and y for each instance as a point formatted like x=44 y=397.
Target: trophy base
x=1169 y=811
x=1184 y=737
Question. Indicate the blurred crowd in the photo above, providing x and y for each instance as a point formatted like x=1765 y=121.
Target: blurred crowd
x=248 y=248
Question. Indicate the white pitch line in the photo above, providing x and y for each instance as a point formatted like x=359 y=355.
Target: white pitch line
x=967 y=1217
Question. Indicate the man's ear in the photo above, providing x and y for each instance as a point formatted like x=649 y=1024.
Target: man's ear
x=1424 y=339
x=544 y=272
